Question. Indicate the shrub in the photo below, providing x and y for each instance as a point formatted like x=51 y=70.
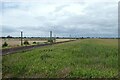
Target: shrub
x=34 y=43
x=45 y=42
x=26 y=42
x=50 y=40
x=5 y=44
x=38 y=43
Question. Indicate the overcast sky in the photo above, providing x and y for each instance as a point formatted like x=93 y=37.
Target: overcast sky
x=64 y=18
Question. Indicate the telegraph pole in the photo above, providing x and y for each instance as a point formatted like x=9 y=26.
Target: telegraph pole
x=54 y=35
x=50 y=35
x=70 y=36
x=21 y=38
x=54 y=38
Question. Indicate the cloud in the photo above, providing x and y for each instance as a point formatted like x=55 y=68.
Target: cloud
x=83 y=18
x=8 y=29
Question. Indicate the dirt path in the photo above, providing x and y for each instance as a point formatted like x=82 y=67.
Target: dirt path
x=17 y=49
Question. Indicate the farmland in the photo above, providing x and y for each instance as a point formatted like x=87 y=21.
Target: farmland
x=16 y=42
x=85 y=58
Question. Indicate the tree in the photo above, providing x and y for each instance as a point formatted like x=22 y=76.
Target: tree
x=9 y=36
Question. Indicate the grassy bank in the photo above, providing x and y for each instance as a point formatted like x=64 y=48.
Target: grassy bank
x=81 y=58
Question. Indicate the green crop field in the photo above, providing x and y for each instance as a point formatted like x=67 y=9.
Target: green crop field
x=86 y=58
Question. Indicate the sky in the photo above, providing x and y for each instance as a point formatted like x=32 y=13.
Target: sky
x=76 y=18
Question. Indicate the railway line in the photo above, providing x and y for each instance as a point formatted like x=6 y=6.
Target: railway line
x=24 y=48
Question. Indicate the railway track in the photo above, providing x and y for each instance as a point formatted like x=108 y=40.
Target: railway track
x=24 y=48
